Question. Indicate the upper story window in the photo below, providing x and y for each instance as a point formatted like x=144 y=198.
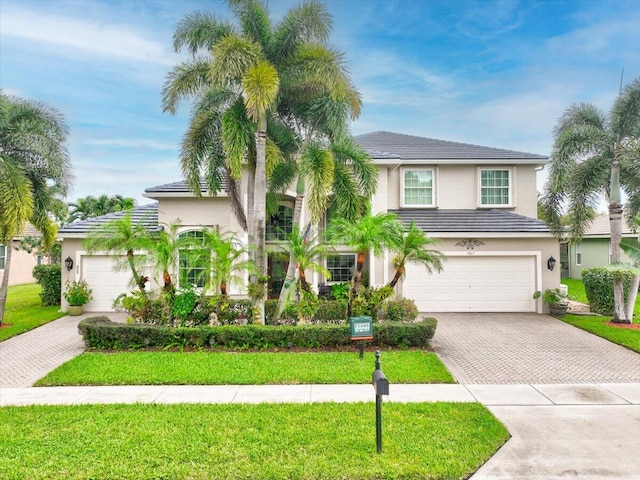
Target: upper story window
x=3 y=255
x=418 y=187
x=192 y=268
x=496 y=188
x=281 y=224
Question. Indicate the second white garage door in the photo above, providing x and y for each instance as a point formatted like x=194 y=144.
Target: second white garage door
x=474 y=284
x=106 y=284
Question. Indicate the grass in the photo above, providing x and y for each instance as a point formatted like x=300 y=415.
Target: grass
x=228 y=368
x=266 y=441
x=598 y=325
x=25 y=311
x=576 y=290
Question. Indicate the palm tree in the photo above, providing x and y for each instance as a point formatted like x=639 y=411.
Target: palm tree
x=596 y=154
x=164 y=248
x=255 y=85
x=371 y=233
x=123 y=234
x=34 y=168
x=304 y=253
x=631 y=246
x=412 y=246
x=90 y=206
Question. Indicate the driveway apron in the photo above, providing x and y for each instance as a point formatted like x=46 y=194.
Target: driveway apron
x=528 y=348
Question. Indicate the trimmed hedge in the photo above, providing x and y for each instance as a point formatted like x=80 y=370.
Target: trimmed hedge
x=49 y=278
x=598 y=285
x=101 y=333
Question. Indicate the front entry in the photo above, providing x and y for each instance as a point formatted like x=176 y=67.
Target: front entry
x=277 y=270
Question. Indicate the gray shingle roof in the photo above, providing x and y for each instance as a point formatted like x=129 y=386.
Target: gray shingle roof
x=147 y=215
x=410 y=147
x=433 y=221
x=181 y=187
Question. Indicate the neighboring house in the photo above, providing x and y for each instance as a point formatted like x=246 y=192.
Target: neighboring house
x=22 y=262
x=479 y=201
x=594 y=250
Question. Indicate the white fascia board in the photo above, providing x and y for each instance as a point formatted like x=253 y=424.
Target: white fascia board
x=474 y=161
x=158 y=195
x=490 y=235
x=72 y=235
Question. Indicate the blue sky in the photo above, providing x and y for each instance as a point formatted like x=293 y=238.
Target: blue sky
x=494 y=73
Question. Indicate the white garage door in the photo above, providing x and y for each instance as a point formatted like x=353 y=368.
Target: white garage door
x=105 y=283
x=474 y=284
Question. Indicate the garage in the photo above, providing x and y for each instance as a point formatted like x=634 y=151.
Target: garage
x=104 y=281
x=474 y=283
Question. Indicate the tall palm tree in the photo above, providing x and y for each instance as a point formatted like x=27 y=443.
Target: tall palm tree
x=631 y=246
x=256 y=81
x=412 y=246
x=34 y=167
x=164 y=248
x=596 y=154
x=123 y=234
x=371 y=233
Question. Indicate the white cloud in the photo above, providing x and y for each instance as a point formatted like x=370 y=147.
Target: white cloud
x=133 y=143
x=92 y=36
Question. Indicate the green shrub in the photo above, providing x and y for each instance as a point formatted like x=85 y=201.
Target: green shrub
x=101 y=333
x=399 y=310
x=50 y=280
x=598 y=285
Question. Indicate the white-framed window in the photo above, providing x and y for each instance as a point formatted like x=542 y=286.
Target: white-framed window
x=610 y=254
x=280 y=224
x=192 y=268
x=496 y=187
x=578 y=254
x=341 y=267
x=418 y=187
x=3 y=256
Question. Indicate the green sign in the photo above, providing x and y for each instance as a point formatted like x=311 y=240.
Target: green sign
x=361 y=328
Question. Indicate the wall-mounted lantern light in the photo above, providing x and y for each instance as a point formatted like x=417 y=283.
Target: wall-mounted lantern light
x=68 y=263
x=551 y=263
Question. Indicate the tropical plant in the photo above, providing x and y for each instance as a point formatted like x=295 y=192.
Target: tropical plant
x=596 y=154
x=631 y=246
x=553 y=297
x=77 y=293
x=224 y=256
x=123 y=234
x=306 y=253
x=254 y=85
x=34 y=170
x=412 y=246
x=90 y=206
x=371 y=233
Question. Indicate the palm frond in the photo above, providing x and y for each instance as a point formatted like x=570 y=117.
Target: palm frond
x=308 y=22
x=16 y=200
x=199 y=31
x=260 y=85
x=254 y=20
x=237 y=135
x=232 y=56
x=316 y=165
x=186 y=80
x=625 y=114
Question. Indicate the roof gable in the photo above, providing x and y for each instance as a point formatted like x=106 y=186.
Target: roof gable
x=384 y=145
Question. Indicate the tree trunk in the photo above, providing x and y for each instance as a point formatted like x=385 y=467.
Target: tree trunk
x=260 y=192
x=223 y=289
x=288 y=284
x=396 y=277
x=631 y=298
x=5 y=279
x=615 y=220
x=357 y=281
x=136 y=277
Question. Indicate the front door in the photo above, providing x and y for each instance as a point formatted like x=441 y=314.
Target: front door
x=277 y=270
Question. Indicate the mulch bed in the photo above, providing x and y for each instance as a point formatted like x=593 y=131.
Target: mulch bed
x=630 y=326
x=6 y=325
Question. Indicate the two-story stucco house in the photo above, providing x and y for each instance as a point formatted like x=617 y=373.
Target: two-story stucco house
x=479 y=201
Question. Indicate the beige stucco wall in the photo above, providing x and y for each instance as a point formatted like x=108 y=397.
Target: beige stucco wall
x=22 y=264
x=457 y=187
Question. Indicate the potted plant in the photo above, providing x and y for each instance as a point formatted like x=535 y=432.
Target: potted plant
x=557 y=301
x=77 y=294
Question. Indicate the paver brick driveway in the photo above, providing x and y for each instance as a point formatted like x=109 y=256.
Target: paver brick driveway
x=504 y=348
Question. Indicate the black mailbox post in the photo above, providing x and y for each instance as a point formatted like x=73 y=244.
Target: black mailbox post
x=381 y=387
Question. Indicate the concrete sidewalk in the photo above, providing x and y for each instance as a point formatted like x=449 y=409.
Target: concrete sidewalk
x=625 y=394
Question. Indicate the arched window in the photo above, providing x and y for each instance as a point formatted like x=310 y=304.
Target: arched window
x=192 y=268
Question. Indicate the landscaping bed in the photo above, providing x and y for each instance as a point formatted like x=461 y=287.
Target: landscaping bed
x=266 y=441
x=246 y=368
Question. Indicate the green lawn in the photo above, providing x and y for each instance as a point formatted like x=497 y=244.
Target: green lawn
x=228 y=368
x=25 y=312
x=266 y=441
x=576 y=290
x=598 y=326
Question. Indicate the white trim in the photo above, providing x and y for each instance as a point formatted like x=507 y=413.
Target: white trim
x=434 y=197
x=512 y=190
x=461 y=161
